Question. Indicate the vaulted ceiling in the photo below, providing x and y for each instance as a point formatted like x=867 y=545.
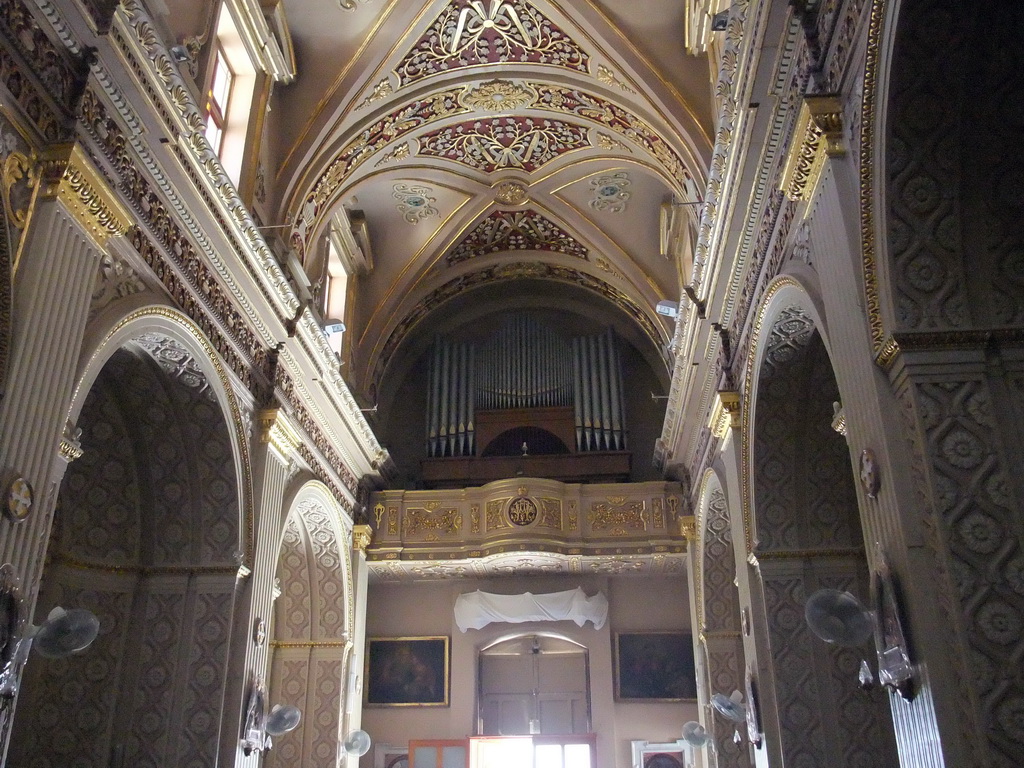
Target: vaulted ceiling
x=493 y=143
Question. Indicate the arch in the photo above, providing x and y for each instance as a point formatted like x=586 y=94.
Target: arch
x=165 y=321
x=803 y=528
x=530 y=682
x=147 y=534
x=312 y=627
x=718 y=613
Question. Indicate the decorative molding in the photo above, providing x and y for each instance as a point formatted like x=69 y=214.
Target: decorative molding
x=381 y=90
x=498 y=96
x=511 y=192
x=606 y=76
x=495 y=143
x=817 y=136
x=688 y=528
x=725 y=413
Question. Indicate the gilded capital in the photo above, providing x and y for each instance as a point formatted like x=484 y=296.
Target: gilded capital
x=362 y=535
x=818 y=134
x=277 y=432
x=688 y=527
x=68 y=175
x=725 y=413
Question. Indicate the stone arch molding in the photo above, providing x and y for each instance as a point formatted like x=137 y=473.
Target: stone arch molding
x=718 y=612
x=313 y=626
x=178 y=345
x=317 y=532
x=786 y=316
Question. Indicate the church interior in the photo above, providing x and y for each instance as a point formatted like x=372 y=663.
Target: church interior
x=479 y=383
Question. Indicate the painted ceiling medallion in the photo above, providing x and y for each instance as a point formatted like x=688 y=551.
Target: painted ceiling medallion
x=515 y=231
x=415 y=202
x=472 y=33
x=498 y=96
x=505 y=142
x=610 y=192
x=510 y=192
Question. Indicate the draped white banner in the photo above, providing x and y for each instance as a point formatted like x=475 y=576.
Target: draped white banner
x=474 y=610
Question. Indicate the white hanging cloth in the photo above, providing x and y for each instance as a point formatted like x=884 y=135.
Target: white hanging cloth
x=475 y=610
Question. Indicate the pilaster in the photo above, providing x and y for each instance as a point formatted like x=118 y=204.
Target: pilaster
x=274 y=461
x=362 y=535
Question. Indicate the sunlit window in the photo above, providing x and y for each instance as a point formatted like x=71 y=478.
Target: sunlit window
x=218 y=99
x=532 y=752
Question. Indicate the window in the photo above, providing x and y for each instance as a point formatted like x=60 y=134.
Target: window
x=218 y=99
x=229 y=94
x=532 y=752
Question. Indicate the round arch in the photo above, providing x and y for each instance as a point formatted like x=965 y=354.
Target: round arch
x=313 y=626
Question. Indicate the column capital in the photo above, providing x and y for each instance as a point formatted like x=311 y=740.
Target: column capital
x=276 y=431
x=362 y=535
x=68 y=175
x=688 y=527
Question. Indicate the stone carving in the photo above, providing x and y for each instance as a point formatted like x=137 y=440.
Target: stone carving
x=617 y=516
x=515 y=231
x=468 y=33
x=116 y=280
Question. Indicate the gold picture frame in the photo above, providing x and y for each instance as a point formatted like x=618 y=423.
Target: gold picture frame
x=407 y=672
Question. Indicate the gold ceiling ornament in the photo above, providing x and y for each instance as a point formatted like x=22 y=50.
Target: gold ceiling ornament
x=818 y=135
x=510 y=192
x=498 y=96
x=381 y=90
x=611 y=144
x=606 y=76
x=400 y=152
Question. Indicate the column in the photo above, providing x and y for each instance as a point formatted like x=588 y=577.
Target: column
x=362 y=535
x=72 y=216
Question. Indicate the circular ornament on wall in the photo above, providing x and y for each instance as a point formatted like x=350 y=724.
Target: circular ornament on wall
x=510 y=192
x=522 y=511
x=18 y=499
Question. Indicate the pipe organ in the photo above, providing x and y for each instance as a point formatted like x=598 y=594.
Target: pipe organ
x=525 y=365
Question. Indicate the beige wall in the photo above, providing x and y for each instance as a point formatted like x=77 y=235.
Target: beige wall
x=400 y=610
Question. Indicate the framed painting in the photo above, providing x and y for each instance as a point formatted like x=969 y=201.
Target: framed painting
x=654 y=666
x=406 y=672
x=668 y=755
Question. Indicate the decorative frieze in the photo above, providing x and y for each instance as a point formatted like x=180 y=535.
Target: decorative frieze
x=526 y=515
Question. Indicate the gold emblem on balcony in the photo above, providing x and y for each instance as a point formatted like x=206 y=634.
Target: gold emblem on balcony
x=522 y=511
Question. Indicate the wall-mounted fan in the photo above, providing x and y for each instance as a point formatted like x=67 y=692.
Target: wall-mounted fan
x=65 y=632
x=695 y=734
x=730 y=707
x=357 y=743
x=838 y=617
x=283 y=718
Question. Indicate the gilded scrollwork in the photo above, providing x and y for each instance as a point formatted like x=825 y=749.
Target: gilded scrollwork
x=437 y=521
x=618 y=516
